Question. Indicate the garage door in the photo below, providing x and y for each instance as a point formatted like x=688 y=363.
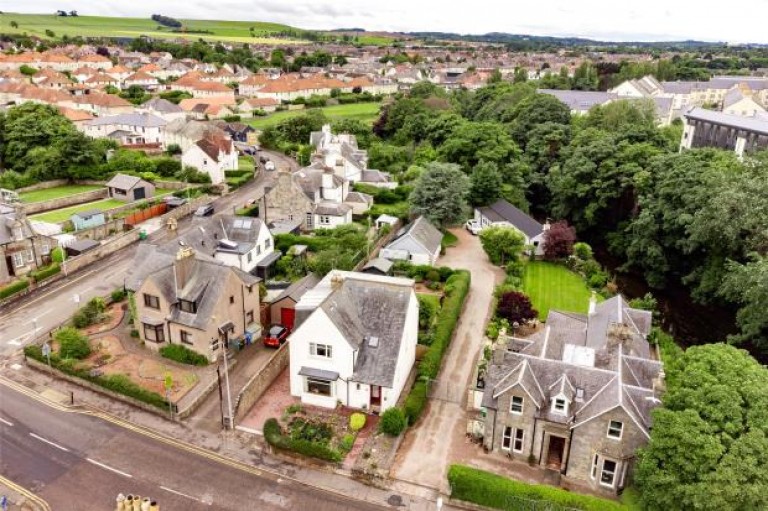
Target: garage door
x=287 y=317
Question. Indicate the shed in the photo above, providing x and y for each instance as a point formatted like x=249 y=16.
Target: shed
x=378 y=266
x=78 y=247
x=88 y=219
x=130 y=188
x=383 y=220
x=283 y=308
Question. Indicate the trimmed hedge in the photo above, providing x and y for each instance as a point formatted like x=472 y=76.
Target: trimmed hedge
x=46 y=272
x=415 y=402
x=491 y=490
x=183 y=355
x=119 y=383
x=12 y=289
x=273 y=434
x=393 y=422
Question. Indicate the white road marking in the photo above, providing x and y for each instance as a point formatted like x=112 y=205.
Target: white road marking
x=7 y=423
x=16 y=367
x=54 y=444
x=176 y=492
x=107 y=467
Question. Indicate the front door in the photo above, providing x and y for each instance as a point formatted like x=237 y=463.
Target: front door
x=375 y=395
x=556 y=452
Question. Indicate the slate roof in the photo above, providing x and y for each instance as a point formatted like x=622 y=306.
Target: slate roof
x=753 y=124
x=144 y=120
x=503 y=211
x=88 y=214
x=207 y=232
x=380 y=264
x=580 y=100
x=123 y=182
x=296 y=290
x=332 y=208
x=423 y=232
x=8 y=218
x=162 y=105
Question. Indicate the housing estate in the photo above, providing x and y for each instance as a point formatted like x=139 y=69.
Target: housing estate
x=355 y=341
x=576 y=397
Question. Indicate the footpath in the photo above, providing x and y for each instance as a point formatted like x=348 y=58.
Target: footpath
x=236 y=445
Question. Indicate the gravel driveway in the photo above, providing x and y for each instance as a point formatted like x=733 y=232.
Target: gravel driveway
x=439 y=437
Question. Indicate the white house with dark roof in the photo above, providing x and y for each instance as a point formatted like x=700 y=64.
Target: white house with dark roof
x=212 y=155
x=128 y=129
x=418 y=242
x=576 y=397
x=355 y=341
x=502 y=213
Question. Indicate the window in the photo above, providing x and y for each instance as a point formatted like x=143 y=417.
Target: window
x=214 y=344
x=154 y=333
x=258 y=249
x=18 y=233
x=249 y=317
x=320 y=387
x=267 y=243
x=519 y=436
x=250 y=290
x=45 y=249
x=516 y=406
x=151 y=301
x=186 y=337
x=559 y=406
x=29 y=256
x=18 y=260
x=231 y=299
x=595 y=461
x=325 y=219
x=506 y=439
x=188 y=306
x=615 y=429
x=320 y=350
x=250 y=257
x=608 y=474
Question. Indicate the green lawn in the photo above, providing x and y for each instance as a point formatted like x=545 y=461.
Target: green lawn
x=56 y=192
x=245 y=163
x=449 y=239
x=60 y=215
x=553 y=286
x=103 y=26
x=366 y=112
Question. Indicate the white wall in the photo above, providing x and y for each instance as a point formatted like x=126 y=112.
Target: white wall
x=334 y=221
x=196 y=157
x=407 y=355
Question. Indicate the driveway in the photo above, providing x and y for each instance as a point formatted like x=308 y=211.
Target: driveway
x=439 y=437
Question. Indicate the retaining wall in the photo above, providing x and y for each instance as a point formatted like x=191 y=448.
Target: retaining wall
x=261 y=381
x=31 y=208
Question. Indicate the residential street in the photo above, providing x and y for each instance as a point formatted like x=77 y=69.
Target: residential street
x=426 y=452
x=56 y=304
x=79 y=462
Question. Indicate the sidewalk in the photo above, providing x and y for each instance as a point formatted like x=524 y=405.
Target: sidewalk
x=16 y=501
x=236 y=445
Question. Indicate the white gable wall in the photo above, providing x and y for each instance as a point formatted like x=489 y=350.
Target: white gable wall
x=406 y=357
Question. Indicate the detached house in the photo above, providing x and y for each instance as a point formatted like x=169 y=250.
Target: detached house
x=128 y=129
x=191 y=299
x=419 y=243
x=212 y=155
x=502 y=213
x=21 y=248
x=355 y=342
x=576 y=397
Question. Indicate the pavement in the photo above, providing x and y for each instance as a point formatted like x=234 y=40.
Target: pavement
x=438 y=438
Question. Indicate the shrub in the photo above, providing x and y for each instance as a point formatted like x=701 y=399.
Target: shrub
x=118 y=295
x=582 y=251
x=183 y=355
x=495 y=491
x=44 y=273
x=393 y=422
x=347 y=442
x=14 y=288
x=515 y=307
x=357 y=421
x=91 y=313
x=273 y=434
x=597 y=280
x=432 y=276
x=559 y=240
x=72 y=344
x=415 y=402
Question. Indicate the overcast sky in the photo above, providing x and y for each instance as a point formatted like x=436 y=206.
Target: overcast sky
x=743 y=21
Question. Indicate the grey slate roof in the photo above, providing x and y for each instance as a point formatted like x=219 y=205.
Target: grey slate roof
x=423 y=233
x=88 y=214
x=206 y=234
x=145 y=120
x=123 y=182
x=379 y=263
x=753 y=124
x=503 y=211
x=580 y=100
x=363 y=309
x=332 y=209
x=296 y=290
x=9 y=218
x=162 y=105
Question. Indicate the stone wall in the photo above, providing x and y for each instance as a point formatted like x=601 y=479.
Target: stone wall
x=101 y=232
x=261 y=381
x=31 y=208
x=44 y=185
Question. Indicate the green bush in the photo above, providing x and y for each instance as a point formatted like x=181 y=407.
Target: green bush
x=491 y=490
x=14 y=288
x=183 y=355
x=347 y=442
x=415 y=402
x=118 y=295
x=582 y=251
x=44 y=273
x=393 y=422
x=273 y=434
x=57 y=255
x=72 y=344
x=357 y=421
x=91 y=313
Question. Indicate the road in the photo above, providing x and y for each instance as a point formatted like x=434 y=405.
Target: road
x=43 y=312
x=79 y=462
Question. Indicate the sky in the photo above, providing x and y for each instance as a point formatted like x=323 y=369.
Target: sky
x=649 y=20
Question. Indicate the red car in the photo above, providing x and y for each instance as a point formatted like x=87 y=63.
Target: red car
x=276 y=335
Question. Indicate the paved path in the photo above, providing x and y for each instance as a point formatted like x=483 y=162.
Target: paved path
x=426 y=452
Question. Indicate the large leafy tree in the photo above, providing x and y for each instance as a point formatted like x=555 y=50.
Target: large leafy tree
x=473 y=142
x=440 y=194
x=535 y=110
x=485 y=184
x=502 y=244
x=709 y=441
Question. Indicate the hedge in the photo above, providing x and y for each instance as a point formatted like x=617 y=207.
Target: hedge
x=415 y=402
x=119 y=383
x=273 y=434
x=46 y=272
x=491 y=490
x=183 y=355
x=12 y=289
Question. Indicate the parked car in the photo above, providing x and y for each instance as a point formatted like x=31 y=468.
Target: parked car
x=473 y=227
x=276 y=336
x=206 y=210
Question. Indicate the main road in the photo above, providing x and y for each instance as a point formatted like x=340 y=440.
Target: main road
x=76 y=461
x=44 y=311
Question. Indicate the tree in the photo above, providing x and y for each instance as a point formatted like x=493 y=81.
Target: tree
x=536 y=110
x=502 y=244
x=440 y=194
x=495 y=76
x=709 y=441
x=515 y=307
x=485 y=184
x=747 y=285
x=559 y=240
x=473 y=142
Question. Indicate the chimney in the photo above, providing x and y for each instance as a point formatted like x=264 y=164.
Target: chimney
x=336 y=280
x=592 y=303
x=546 y=225
x=328 y=179
x=183 y=266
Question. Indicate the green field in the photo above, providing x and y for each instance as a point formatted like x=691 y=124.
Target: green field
x=56 y=192
x=102 y=26
x=60 y=215
x=553 y=286
x=366 y=112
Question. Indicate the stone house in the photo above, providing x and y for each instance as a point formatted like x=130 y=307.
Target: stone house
x=191 y=299
x=21 y=248
x=576 y=397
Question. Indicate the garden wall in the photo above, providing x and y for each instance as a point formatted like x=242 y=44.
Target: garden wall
x=261 y=381
x=43 y=186
x=31 y=208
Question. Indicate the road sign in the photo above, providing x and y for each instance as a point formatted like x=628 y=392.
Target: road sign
x=76 y=298
x=46 y=350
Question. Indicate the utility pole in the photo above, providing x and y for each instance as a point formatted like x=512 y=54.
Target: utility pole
x=230 y=419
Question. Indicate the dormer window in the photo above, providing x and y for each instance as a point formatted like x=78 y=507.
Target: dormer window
x=188 y=306
x=615 y=429
x=516 y=406
x=560 y=405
